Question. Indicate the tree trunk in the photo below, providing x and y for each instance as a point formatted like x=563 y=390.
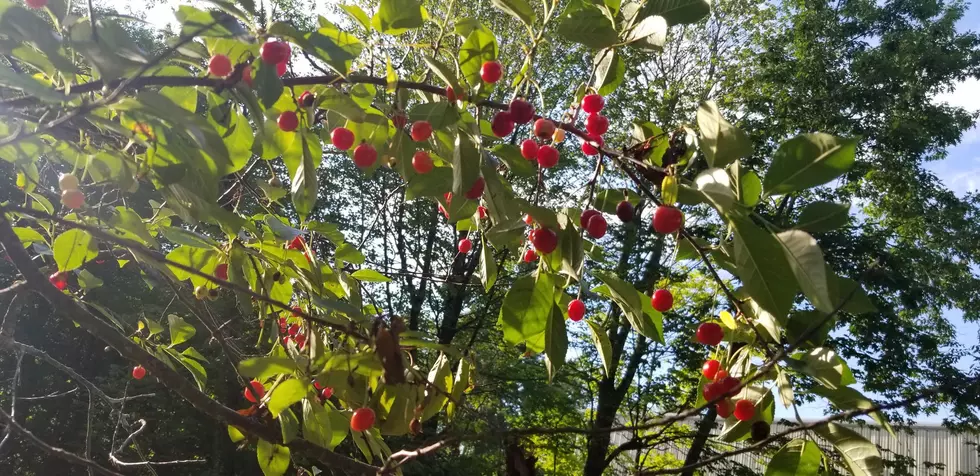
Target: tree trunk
x=605 y=416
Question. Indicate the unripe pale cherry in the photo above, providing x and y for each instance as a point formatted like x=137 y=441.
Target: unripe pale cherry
x=491 y=71
x=421 y=130
x=464 y=246
x=363 y=419
x=219 y=65
x=547 y=156
x=73 y=199
x=710 y=333
x=68 y=182
x=592 y=103
x=365 y=155
x=662 y=300
x=576 y=310
x=421 y=162
x=529 y=149
x=342 y=138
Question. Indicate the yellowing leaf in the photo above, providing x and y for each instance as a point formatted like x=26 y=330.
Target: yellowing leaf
x=668 y=190
x=728 y=320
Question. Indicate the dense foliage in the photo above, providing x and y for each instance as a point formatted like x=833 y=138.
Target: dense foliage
x=497 y=237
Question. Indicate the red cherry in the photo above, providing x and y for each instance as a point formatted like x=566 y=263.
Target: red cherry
x=528 y=219
x=365 y=155
x=491 y=71
x=744 y=410
x=399 y=120
x=502 y=124
x=219 y=65
x=297 y=243
x=481 y=211
x=592 y=103
x=288 y=121
x=710 y=333
x=667 y=219
x=247 y=75
x=596 y=226
x=342 y=138
x=710 y=368
x=464 y=246
x=727 y=384
x=530 y=256
x=326 y=392
x=139 y=372
x=306 y=99
x=274 y=52
x=255 y=391
x=544 y=240
x=720 y=375
x=529 y=149
x=59 y=280
x=36 y=4
x=711 y=391
x=476 y=191
x=281 y=69
x=317 y=385
x=589 y=149
x=297 y=311
x=547 y=156
x=450 y=94
x=586 y=216
x=221 y=272
x=421 y=130
x=521 y=111
x=362 y=420
x=293 y=330
x=625 y=211
x=421 y=162
x=576 y=310
x=662 y=300
x=596 y=124
x=724 y=408
x=300 y=341
x=544 y=128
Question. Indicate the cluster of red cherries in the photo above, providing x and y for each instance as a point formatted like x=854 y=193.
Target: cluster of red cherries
x=720 y=383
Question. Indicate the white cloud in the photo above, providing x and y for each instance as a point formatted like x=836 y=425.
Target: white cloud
x=966 y=94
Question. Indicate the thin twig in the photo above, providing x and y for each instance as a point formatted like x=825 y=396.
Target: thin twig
x=52 y=450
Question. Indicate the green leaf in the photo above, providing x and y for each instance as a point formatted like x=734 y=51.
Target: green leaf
x=439 y=114
x=28 y=236
x=606 y=200
x=844 y=288
x=129 y=225
x=347 y=252
x=262 y=368
x=821 y=216
x=194 y=367
x=304 y=183
x=460 y=382
x=466 y=170
x=526 y=309
x=716 y=186
x=860 y=455
x=479 y=47
x=27 y=84
x=808 y=160
x=268 y=85
x=589 y=26
x=516 y=163
x=395 y=17
x=650 y=32
x=678 y=12
x=443 y=72
x=518 y=9
x=824 y=366
x=87 y=280
x=180 y=330
x=235 y=434
x=316 y=424
x=751 y=189
x=555 y=341
x=433 y=184
x=796 y=458
x=847 y=398
x=203 y=260
x=193 y=353
x=289 y=425
x=765 y=406
x=785 y=388
x=273 y=459
x=441 y=375
x=721 y=142
x=369 y=275
x=73 y=248
x=285 y=394
x=358 y=15
x=603 y=346
x=610 y=70
x=763 y=269
x=488 y=266
x=181 y=236
x=631 y=302
x=333 y=100
x=806 y=261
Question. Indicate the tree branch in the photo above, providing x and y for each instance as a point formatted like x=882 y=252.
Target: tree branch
x=54 y=451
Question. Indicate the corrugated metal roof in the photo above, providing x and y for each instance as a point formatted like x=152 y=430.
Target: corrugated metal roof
x=927 y=450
